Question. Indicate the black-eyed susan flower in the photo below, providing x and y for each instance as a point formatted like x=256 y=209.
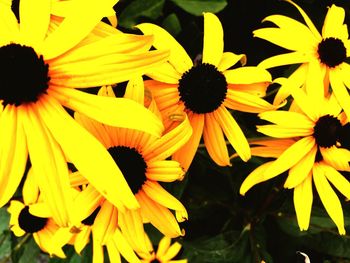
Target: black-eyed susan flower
x=205 y=90
x=142 y=160
x=308 y=146
x=42 y=62
x=32 y=217
x=165 y=253
x=322 y=55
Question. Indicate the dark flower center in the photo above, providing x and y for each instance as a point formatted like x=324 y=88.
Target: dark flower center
x=131 y=164
x=202 y=88
x=155 y=261
x=24 y=75
x=327 y=131
x=331 y=51
x=89 y=221
x=30 y=223
x=345 y=136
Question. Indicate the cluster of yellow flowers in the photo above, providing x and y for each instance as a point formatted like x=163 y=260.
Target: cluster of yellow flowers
x=121 y=148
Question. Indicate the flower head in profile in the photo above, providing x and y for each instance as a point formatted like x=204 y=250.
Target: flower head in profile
x=142 y=160
x=205 y=91
x=322 y=55
x=308 y=145
x=165 y=253
x=43 y=60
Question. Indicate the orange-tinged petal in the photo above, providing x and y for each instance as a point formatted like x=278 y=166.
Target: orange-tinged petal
x=164 y=171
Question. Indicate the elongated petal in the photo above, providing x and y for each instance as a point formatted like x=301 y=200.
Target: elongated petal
x=340 y=91
x=301 y=170
x=213 y=43
x=233 y=132
x=124 y=248
x=255 y=177
x=295 y=57
x=329 y=198
x=247 y=75
x=49 y=167
x=9 y=28
x=90 y=157
x=338 y=158
x=113 y=253
x=288 y=119
x=159 y=216
x=106 y=216
x=302 y=100
x=169 y=142
x=282 y=132
x=173 y=250
x=165 y=73
x=30 y=190
x=13 y=152
x=75 y=27
x=158 y=194
x=186 y=153
x=291 y=156
x=338 y=180
x=303 y=202
x=163 y=41
x=246 y=102
x=35 y=18
x=118 y=112
x=214 y=141
x=164 y=171
x=229 y=59
x=163 y=246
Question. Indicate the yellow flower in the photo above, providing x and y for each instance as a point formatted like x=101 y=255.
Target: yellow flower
x=142 y=160
x=165 y=253
x=42 y=62
x=322 y=56
x=205 y=91
x=309 y=148
x=33 y=217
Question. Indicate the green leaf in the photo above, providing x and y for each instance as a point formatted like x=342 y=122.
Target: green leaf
x=197 y=7
x=172 y=24
x=133 y=13
x=30 y=253
x=5 y=234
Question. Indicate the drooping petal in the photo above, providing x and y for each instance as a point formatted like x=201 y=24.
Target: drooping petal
x=103 y=109
x=303 y=202
x=163 y=41
x=338 y=158
x=229 y=59
x=49 y=166
x=301 y=170
x=35 y=18
x=13 y=152
x=158 y=194
x=291 y=156
x=30 y=190
x=186 y=153
x=90 y=157
x=340 y=91
x=233 y=132
x=124 y=247
x=164 y=171
x=213 y=43
x=329 y=198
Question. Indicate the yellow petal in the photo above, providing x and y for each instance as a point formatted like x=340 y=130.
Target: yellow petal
x=9 y=28
x=213 y=43
x=135 y=90
x=314 y=81
x=291 y=156
x=338 y=180
x=30 y=190
x=82 y=239
x=124 y=248
x=340 y=91
x=169 y=142
x=158 y=194
x=301 y=170
x=338 y=158
x=282 y=132
x=35 y=18
x=214 y=141
x=104 y=109
x=163 y=246
x=163 y=41
x=106 y=216
x=113 y=253
x=255 y=177
x=75 y=27
x=303 y=202
x=165 y=73
x=288 y=119
x=49 y=165
x=164 y=171
x=173 y=250
x=247 y=75
x=333 y=23
x=233 y=132
x=295 y=57
x=13 y=152
x=329 y=198
x=90 y=157
x=229 y=59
